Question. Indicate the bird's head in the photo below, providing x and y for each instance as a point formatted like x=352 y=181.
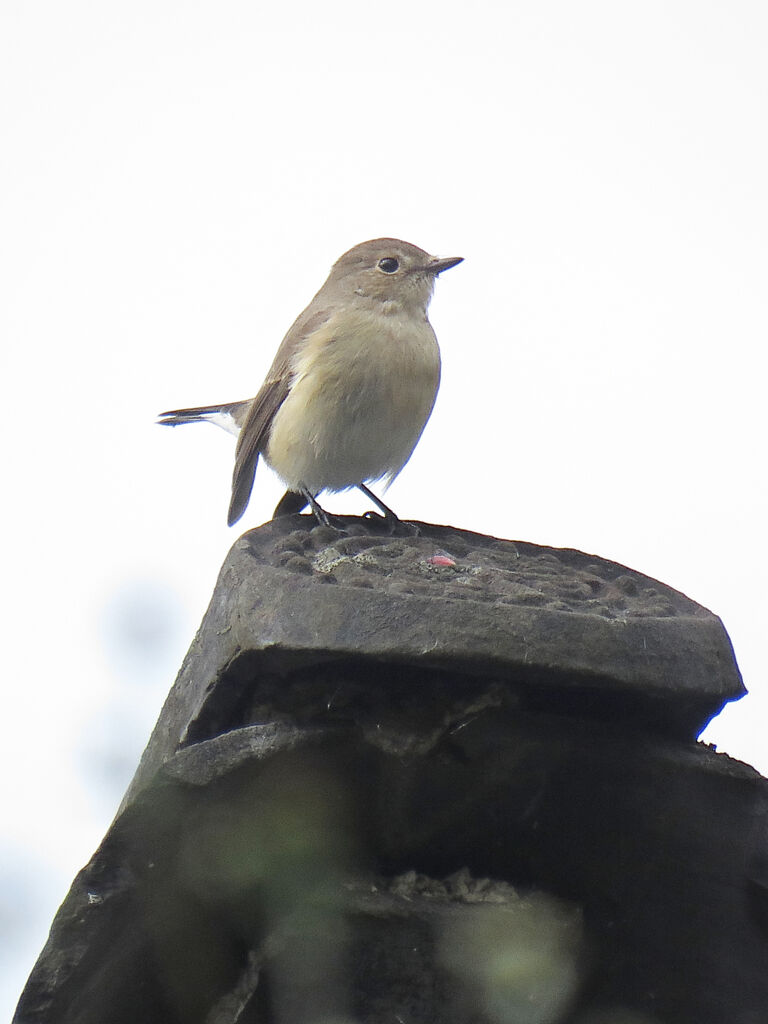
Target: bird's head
x=390 y=271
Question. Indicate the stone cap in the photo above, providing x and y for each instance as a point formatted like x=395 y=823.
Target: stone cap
x=568 y=631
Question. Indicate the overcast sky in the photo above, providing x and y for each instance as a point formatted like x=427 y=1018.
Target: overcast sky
x=177 y=179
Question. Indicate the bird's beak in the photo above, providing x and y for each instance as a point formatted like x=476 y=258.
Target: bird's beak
x=440 y=263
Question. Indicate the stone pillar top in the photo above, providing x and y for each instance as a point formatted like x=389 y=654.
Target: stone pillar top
x=564 y=629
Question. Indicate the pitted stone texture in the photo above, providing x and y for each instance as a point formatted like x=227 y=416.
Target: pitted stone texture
x=470 y=568
x=559 y=629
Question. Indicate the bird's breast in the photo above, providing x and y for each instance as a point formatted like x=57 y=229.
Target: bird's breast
x=363 y=389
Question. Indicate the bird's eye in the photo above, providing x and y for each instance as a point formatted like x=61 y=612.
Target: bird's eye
x=389 y=265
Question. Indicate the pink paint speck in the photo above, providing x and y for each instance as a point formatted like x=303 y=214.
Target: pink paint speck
x=441 y=560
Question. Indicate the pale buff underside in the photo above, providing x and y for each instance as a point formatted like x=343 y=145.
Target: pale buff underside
x=363 y=389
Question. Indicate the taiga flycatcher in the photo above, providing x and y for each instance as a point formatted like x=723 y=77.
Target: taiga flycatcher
x=351 y=387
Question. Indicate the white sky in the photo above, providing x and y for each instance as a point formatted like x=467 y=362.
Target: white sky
x=177 y=179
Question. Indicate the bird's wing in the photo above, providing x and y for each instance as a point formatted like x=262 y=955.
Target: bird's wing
x=255 y=432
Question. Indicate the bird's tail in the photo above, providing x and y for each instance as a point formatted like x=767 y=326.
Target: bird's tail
x=229 y=417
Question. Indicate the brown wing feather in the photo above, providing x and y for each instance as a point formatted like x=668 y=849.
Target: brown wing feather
x=255 y=432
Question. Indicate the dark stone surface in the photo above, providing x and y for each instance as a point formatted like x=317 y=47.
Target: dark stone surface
x=379 y=799
x=561 y=628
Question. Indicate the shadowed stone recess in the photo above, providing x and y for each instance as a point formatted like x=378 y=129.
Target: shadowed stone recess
x=441 y=778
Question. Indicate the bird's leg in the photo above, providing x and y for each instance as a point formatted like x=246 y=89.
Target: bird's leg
x=392 y=523
x=320 y=514
x=388 y=513
x=293 y=502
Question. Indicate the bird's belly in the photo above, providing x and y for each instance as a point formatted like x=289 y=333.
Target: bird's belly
x=348 y=420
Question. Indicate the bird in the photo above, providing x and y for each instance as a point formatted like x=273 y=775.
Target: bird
x=350 y=389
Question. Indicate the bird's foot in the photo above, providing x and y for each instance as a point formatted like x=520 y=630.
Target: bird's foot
x=329 y=521
x=337 y=523
x=388 y=522
x=391 y=525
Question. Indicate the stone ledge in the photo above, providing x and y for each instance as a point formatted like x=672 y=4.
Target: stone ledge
x=565 y=628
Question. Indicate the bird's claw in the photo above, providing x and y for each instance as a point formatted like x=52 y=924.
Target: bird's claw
x=391 y=525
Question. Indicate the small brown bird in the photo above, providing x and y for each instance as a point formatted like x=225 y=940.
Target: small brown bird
x=351 y=387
